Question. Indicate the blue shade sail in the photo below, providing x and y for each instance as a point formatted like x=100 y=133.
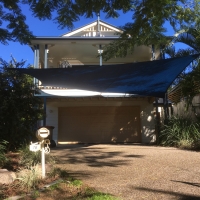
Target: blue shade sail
x=151 y=78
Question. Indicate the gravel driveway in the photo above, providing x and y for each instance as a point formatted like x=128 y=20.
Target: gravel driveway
x=134 y=172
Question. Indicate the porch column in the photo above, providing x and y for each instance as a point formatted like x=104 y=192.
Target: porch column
x=36 y=62
x=35 y=57
x=38 y=57
x=45 y=55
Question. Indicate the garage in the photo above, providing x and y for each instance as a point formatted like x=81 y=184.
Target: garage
x=99 y=124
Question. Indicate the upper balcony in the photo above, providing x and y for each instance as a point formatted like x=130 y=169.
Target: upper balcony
x=82 y=46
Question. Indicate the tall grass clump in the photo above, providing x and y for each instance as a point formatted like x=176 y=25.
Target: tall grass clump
x=180 y=132
x=30 y=178
x=3 y=158
x=29 y=158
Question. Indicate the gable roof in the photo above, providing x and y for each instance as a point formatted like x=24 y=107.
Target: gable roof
x=92 y=27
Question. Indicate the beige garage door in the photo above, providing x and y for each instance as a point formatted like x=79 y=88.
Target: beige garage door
x=99 y=124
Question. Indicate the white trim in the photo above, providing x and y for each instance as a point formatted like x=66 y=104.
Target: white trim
x=111 y=27
x=79 y=30
x=89 y=26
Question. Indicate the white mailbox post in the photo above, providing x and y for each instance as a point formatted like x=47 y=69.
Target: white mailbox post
x=42 y=134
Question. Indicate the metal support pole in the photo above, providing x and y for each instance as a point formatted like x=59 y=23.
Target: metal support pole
x=153 y=52
x=167 y=105
x=166 y=110
x=100 y=56
x=157 y=122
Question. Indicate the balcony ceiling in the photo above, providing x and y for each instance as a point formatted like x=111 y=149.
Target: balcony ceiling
x=85 y=50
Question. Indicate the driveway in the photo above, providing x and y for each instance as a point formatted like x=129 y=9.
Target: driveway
x=133 y=171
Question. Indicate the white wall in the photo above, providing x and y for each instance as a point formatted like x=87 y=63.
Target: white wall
x=52 y=119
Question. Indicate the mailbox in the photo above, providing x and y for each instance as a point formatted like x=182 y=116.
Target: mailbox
x=35 y=146
x=42 y=133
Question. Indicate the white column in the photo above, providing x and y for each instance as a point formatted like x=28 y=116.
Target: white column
x=35 y=57
x=37 y=61
x=45 y=55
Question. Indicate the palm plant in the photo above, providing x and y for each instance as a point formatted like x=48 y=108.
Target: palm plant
x=190 y=77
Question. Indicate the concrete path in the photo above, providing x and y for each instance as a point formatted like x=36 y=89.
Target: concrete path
x=134 y=172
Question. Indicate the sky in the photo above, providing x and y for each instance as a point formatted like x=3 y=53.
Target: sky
x=50 y=28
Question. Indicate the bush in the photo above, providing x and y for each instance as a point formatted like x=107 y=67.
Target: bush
x=180 y=132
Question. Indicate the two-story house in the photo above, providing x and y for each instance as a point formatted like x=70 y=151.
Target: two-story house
x=83 y=114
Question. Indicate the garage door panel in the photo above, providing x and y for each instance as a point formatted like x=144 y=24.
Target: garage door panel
x=99 y=124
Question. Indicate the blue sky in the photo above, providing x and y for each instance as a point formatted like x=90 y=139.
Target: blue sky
x=49 y=28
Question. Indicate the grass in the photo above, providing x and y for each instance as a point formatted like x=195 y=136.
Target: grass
x=75 y=190
x=95 y=195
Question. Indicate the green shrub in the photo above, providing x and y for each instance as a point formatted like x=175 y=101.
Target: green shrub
x=180 y=132
x=3 y=158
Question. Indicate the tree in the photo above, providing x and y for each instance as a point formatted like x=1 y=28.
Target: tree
x=145 y=27
x=189 y=79
x=148 y=26
x=19 y=108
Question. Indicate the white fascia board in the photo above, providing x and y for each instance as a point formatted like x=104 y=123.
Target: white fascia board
x=78 y=93
x=79 y=30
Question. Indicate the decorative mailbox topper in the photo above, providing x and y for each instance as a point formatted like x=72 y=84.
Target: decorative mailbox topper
x=42 y=133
